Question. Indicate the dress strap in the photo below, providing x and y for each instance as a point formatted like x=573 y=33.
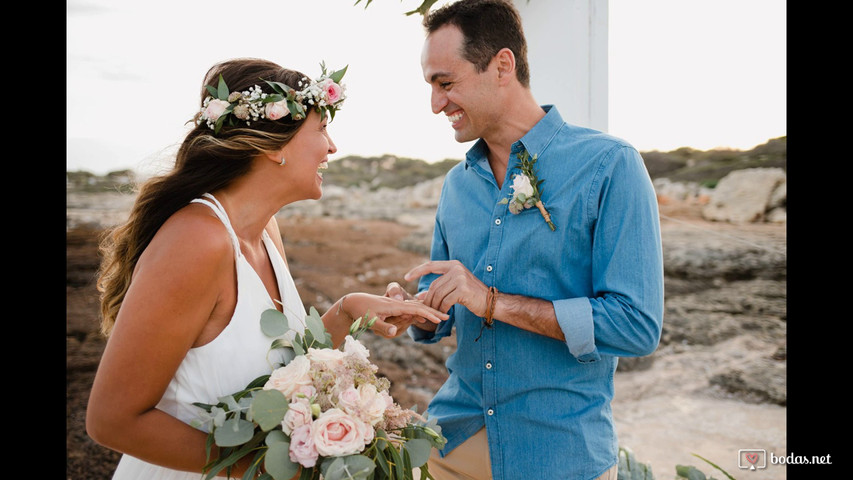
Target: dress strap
x=219 y=210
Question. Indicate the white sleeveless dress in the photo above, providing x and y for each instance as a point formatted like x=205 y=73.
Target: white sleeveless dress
x=240 y=354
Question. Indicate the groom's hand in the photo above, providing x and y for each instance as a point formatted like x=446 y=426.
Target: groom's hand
x=402 y=322
x=456 y=284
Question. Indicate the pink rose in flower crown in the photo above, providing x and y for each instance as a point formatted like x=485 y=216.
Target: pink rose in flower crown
x=302 y=449
x=298 y=414
x=289 y=378
x=276 y=110
x=333 y=91
x=214 y=109
x=336 y=434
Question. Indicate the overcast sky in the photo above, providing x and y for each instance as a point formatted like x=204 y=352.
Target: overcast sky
x=697 y=73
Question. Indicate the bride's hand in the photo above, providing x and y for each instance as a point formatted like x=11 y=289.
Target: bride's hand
x=393 y=314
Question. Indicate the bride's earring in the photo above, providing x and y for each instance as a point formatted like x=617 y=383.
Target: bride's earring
x=282 y=161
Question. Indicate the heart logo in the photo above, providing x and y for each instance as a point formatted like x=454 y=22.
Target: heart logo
x=752 y=457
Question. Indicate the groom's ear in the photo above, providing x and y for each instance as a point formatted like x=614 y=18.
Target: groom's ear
x=505 y=63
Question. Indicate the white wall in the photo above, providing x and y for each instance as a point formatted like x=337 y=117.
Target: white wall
x=567 y=52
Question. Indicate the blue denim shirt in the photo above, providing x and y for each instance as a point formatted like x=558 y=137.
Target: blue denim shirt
x=545 y=403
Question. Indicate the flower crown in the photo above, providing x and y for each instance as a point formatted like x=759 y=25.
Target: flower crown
x=221 y=107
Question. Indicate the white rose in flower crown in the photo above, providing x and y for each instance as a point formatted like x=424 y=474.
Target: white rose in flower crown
x=329 y=357
x=354 y=347
x=291 y=377
x=521 y=185
x=214 y=109
x=298 y=414
x=335 y=433
x=276 y=110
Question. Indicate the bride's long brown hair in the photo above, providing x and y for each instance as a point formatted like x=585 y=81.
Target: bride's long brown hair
x=205 y=162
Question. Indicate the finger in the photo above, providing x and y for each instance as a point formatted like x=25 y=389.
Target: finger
x=384 y=328
x=394 y=290
x=421 y=310
x=434 y=266
x=444 y=295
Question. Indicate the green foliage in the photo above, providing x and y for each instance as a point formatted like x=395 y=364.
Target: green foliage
x=690 y=472
x=388 y=171
x=707 y=167
x=121 y=181
x=631 y=469
x=423 y=9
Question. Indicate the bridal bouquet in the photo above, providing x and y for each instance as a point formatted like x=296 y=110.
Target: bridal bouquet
x=325 y=414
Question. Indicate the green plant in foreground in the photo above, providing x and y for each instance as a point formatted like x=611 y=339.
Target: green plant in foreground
x=632 y=469
x=692 y=473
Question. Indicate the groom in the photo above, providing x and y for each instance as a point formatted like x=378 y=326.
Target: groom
x=540 y=315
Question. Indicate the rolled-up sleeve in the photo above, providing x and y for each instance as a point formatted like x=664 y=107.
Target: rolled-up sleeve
x=575 y=318
x=627 y=262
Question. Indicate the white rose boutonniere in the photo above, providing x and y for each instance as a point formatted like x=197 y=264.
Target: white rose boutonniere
x=526 y=190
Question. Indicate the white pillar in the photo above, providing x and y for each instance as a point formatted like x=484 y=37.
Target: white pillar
x=567 y=52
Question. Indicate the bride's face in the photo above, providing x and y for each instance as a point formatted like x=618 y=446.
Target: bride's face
x=307 y=153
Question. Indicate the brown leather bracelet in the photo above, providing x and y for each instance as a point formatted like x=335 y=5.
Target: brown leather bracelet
x=491 y=300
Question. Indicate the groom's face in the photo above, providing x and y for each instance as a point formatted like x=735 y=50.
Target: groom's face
x=457 y=89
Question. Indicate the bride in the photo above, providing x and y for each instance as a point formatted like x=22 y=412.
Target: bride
x=184 y=281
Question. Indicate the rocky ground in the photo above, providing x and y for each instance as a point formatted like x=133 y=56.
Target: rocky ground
x=717 y=383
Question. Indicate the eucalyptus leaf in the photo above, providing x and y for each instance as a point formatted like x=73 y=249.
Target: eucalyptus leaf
x=233 y=432
x=277 y=462
x=419 y=451
x=219 y=416
x=315 y=324
x=397 y=460
x=274 y=323
x=382 y=461
x=297 y=346
x=351 y=467
x=268 y=408
x=276 y=436
x=230 y=402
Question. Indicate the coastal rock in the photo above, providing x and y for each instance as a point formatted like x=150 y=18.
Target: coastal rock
x=746 y=195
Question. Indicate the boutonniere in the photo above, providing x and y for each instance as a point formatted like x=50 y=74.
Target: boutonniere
x=526 y=189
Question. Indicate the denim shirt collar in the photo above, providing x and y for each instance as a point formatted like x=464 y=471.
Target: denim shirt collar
x=535 y=140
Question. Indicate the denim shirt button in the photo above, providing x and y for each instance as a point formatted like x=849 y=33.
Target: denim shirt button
x=497 y=221
x=489 y=268
x=490 y=411
x=488 y=365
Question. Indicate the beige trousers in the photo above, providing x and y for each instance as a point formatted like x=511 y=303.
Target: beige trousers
x=470 y=461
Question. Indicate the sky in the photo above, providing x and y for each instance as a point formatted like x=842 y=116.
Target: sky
x=697 y=73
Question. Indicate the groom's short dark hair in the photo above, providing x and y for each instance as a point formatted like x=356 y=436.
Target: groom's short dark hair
x=488 y=26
